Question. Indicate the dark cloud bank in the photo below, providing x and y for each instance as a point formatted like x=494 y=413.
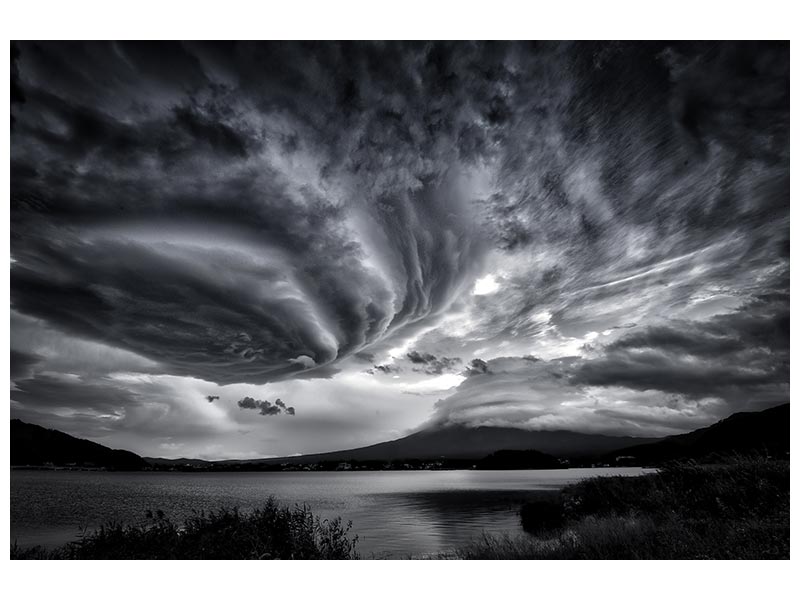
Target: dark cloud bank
x=254 y=212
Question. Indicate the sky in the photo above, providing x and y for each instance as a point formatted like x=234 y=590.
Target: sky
x=240 y=250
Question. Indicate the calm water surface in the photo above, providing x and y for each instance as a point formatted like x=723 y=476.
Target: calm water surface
x=394 y=513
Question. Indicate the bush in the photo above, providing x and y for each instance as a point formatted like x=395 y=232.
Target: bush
x=270 y=532
x=738 y=489
x=737 y=510
x=542 y=516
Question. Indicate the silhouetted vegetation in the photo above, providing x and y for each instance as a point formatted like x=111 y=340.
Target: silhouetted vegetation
x=271 y=532
x=738 y=510
x=542 y=515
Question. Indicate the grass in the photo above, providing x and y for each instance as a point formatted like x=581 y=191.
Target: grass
x=738 y=510
x=270 y=532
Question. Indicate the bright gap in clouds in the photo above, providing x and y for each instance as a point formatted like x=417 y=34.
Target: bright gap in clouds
x=485 y=285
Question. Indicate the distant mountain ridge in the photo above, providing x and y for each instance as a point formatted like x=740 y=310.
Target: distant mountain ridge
x=459 y=442
x=740 y=432
x=35 y=446
x=765 y=431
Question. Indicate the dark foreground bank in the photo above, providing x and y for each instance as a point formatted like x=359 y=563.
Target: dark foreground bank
x=271 y=532
x=739 y=509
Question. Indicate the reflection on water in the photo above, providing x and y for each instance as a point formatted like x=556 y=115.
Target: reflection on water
x=439 y=520
x=394 y=513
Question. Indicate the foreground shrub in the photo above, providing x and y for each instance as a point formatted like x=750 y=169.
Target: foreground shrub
x=270 y=532
x=630 y=538
x=741 y=488
x=542 y=516
x=736 y=510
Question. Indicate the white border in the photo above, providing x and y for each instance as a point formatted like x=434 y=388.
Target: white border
x=406 y=19
x=410 y=19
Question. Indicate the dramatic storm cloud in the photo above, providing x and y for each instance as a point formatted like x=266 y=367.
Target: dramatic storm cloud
x=545 y=235
x=261 y=221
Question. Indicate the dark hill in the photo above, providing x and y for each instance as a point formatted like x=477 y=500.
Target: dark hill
x=32 y=445
x=746 y=432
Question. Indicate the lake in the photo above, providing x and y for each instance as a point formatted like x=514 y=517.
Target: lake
x=396 y=514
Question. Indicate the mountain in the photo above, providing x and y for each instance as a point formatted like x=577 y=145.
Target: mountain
x=489 y=447
x=741 y=432
x=32 y=445
x=764 y=431
x=473 y=443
